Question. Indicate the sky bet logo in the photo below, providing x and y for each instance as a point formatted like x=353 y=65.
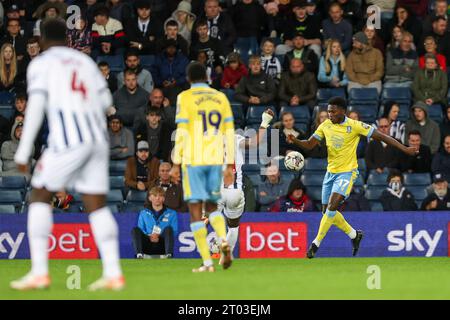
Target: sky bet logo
x=407 y=240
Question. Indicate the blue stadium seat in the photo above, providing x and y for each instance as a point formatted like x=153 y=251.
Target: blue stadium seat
x=324 y=94
x=419 y=192
x=301 y=113
x=374 y=192
x=312 y=179
x=238 y=114
x=116 y=182
x=13 y=182
x=251 y=168
x=404 y=112
x=147 y=61
x=315 y=193
x=376 y=206
x=417 y=179
x=378 y=179
x=367 y=113
x=13 y=197
x=315 y=164
x=255 y=178
x=114 y=196
x=7 y=209
x=6 y=98
x=137 y=197
x=133 y=207
x=117 y=167
x=254 y=114
x=363 y=96
x=359 y=182
x=289 y=175
x=116 y=62
x=114 y=208
x=399 y=95
x=6 y=111
x=435 y=113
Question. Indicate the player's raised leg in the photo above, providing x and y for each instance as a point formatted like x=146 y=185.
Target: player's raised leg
x=40 y=222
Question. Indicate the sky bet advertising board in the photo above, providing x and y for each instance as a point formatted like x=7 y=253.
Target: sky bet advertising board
x=261 y=235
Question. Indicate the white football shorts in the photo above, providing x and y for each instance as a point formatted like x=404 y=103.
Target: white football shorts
x=232 y=203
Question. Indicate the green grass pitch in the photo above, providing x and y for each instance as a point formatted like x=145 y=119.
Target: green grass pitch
x=320 y=278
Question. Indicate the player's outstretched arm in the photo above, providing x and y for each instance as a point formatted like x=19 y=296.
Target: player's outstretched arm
x=377 y=135
x=266 y=118
x=305 y=144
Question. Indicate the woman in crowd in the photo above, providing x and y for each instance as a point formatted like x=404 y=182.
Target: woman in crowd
x=233 y=72
x=404 y=18
x=374 y=39
x=8 y=68
x=332 y=66
x=185 y=19
x=296 y=200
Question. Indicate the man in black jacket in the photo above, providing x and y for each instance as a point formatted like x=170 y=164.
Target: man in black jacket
x=419 y=163
x=439 y=199
x=144 y=30
x=396 y=197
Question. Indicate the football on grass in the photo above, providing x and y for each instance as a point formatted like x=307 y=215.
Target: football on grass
x=294 y=161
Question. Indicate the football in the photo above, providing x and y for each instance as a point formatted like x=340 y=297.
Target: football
x=294 y=161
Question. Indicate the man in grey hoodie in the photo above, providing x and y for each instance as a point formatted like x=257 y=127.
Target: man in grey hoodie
x=9 y=149
x=428 y=129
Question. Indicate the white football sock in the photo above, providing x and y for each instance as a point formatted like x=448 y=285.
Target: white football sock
x=232 y=237
x=352 y=234
x=316 y=242
x=40 y=222
x=106 y=231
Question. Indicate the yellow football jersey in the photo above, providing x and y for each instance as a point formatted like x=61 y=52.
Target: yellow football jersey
x=204 y=122
x=342 y=140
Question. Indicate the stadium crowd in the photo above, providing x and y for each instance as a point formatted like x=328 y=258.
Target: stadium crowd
x=287 y=55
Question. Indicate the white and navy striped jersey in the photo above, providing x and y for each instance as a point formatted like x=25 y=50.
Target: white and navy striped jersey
x=239 y=159
x=66 y=86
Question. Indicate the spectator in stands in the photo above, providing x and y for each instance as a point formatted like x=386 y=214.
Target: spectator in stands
x=14 y=37
x=171 y=32
x=396 y=36
x=380 y=156
x=156 y=100
x=270 y=63
x=33 y=50
x=141 y=169
x=106 y=72
x=298 y=87
x=352 y=12
x=405 y=18
x=401 y=64
x=16 y=11
x=362 y=145
x=211 y=46
x=286 y=126
x=62 y=202
x=307 y=25
x=396 y=197
x=59 y=5
x=144 y=30
x=421 y=122
x=170 y=71
x=273 y=188
x=336 y=27
x=8 y=68
x=440 y=10
x=50 y=10
x=442 y=36
x=364 y=65
x=157 y=133
x=121 y=140
x=211 y=76
x=431 y=48
x=430 y=85
x=133 y=63
x=319 y=151
x=249 y=19
x=80 y=37
x=233 y=72
x=374 y=39
x=296 y=199
x=220 y=25
x=108 y=37
x=88 y=7
x=20 y=105
x=300 y=51
x=356 y=201
x=8 y=150
x=4 y=131
x=439 y=199
x=157 y=227
x=445 y=125
x=420 y=163
x=185 y=18
x=419 y=7
x=441 y=160
x=332 y=67
x=173 y=191
x=257 y=88
x=397 y=127
x=130 y=98
x=120 y=10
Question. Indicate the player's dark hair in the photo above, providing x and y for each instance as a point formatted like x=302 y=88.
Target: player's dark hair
x=53 y=30
x=394 y=173
x=414 y=132
x=196 y=72
x=338 y=102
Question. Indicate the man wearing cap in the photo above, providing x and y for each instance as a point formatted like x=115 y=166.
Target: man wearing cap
x=305 y=24
x=364 y=66
x=441 y=161
x=439 y=199
x=121 y=141
x=428 y=128
x=145 y=29
x=141 y=169
x=300 y=51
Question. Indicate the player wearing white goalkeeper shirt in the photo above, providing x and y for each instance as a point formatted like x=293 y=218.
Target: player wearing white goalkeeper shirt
x=67 y=87
x=232 y=200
